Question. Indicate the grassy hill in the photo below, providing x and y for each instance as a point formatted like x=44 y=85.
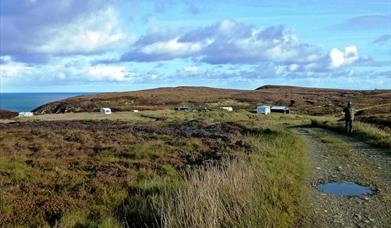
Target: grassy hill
x=175 y=169
x=5 y=114
x=302 y=100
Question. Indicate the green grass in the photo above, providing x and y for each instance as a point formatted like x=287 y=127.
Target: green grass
x=363 y=131
x=264 y=190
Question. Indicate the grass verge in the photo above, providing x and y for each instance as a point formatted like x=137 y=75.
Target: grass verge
x=363 y=131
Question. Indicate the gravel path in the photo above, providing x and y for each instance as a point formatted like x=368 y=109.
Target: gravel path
x=357 y=163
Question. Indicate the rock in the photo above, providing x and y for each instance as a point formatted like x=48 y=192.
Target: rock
x=357 y=217
x=339 y=168
x=318 y=168
x=367 y=221
x=366 y=198
x=371 y=219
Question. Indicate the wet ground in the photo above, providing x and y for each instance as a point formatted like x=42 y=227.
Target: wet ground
x=355 y=163
x=345 y=189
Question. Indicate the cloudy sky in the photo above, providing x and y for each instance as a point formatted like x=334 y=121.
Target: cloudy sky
x=119 y=45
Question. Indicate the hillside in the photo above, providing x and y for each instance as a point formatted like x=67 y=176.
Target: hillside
x=301 y=100
x=5 y=114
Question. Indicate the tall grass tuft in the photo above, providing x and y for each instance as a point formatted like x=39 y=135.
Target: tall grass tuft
x=217 y=197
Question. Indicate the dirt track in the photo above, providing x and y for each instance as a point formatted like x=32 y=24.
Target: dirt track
x=337 y=158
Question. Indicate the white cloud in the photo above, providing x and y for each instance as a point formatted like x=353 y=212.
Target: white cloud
x=61 y=75
x=68 y=71
x=191 y=69
x=5 y=59
x=154 y=76
x=171 y=47
x=91 y=33
x=294 y=67
x=108 y=73
x=33 y=31
x=339 y=58
x=227 y=42
x=9 y=68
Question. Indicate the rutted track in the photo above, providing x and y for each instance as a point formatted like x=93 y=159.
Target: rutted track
x=342 y=159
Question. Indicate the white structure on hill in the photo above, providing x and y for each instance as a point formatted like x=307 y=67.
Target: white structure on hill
x=105 y=111
x=264 y=109
x=229 y=109
x=25 y=114
x=280 y=109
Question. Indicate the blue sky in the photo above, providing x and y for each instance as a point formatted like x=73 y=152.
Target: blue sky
x=121 y=45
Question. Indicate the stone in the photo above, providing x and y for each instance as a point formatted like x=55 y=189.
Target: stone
x=357 y=216
x=339 y=168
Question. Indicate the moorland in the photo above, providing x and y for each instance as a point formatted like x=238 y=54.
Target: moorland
x=69 y=166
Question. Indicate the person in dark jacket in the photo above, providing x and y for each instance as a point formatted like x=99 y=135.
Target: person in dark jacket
x=349 y=115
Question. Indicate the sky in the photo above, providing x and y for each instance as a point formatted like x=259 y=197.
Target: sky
x=124 y=45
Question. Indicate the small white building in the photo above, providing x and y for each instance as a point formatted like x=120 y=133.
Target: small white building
x=264 y=109
x=25 y=114
x=136 y=110
x=229 y=109
x=280 y=109
x=105 y=111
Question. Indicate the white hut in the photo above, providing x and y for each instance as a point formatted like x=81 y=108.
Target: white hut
x=229 y=109
x=280 y=109
x=25 y=114
x=264 y=109
x=105 y=111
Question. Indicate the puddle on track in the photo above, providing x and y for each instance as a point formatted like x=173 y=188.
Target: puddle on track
x=344 y=189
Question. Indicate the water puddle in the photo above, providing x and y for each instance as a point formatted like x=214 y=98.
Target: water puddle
x=344 y=189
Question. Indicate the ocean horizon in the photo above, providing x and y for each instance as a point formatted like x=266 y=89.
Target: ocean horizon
x=25 y=102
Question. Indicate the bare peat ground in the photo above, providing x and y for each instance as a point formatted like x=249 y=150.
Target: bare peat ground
x=337 y=158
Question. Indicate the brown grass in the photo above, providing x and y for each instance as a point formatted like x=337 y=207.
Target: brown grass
x=5 y=114
x=301 y=100
x=218 y=197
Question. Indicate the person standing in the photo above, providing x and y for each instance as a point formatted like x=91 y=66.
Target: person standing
x=349 y=115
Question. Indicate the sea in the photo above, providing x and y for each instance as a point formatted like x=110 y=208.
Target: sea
x=25 y=102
